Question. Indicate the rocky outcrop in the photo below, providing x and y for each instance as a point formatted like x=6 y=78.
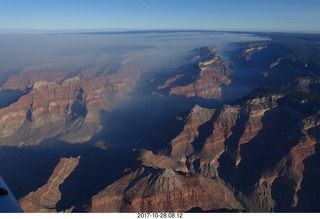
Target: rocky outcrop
x=52 y=109
x=161 y=189
x=253 y=48
x=193 y=165
x=47 y=100
x=214 y=144
x=277 y=62
x=170 y=81
x=182 y=144
x=255 y=109
x=45 y=198
x=50 y=70
x=211 y=74
x=288 y=173
x=63 y=106
x=304 y=84
x=278 y=182
x=222 y=150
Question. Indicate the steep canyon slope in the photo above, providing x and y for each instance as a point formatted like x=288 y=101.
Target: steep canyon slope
x=207 y=75
x=61 y=98
x=234 y=156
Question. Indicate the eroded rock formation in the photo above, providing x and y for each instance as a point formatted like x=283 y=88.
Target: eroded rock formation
x=253 y=48
x=214 y=153
x=61 y=105
x=163 y=189
x=45 y=198
x=210 y=75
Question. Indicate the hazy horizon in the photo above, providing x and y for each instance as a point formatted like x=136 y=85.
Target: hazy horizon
x=137 y=31
x=19 y=50
x=247 y=15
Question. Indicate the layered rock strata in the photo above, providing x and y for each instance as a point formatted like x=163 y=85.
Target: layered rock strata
x=63 y=106
x=215 y=152
x=163 y=188
x=45 y=198
x=211 y=74
x=253 y=48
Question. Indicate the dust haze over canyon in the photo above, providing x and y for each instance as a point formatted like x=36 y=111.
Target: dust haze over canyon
x=138 y=57
x=22 y=49
x=160 y=121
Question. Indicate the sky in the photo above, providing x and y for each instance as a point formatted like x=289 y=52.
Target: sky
x=251 y=15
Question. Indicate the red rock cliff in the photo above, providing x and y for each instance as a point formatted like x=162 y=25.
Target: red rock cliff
x=211 y=75
x=46 y=197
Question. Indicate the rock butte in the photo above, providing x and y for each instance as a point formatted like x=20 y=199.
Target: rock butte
x=211 y=74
